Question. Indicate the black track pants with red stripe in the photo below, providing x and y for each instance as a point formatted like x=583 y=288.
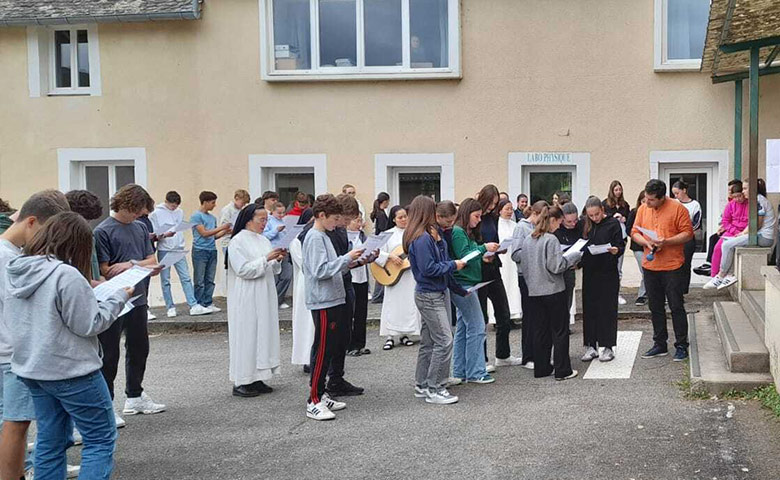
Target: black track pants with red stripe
x=325 y=343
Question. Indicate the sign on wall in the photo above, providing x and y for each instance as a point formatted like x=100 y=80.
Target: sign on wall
x=773 y=165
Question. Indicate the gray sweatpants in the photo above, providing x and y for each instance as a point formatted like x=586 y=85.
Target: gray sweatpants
x=435 y=355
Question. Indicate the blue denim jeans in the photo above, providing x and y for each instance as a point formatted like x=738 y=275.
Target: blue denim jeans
x=59 y=404
x=468 y=358
x=14 y=404
x=204 y=266
x=183 y=270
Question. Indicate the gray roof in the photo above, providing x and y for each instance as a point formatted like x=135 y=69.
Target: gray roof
x=48 y=12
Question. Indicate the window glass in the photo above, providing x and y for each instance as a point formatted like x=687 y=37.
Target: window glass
x=424 y=183
x=686 y=28
x=62 y=58
x=124 y=175
x=83 y=58
x=338 y=33
x=292 y=35
x=97 y=183
x=383 y=32
x=288 y=184
x=429 y=36
x=545 y=184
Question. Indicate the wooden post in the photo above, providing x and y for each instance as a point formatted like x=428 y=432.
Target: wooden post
x=753 y=161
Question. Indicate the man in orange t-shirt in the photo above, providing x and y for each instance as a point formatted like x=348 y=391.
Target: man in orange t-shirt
x=670 y=228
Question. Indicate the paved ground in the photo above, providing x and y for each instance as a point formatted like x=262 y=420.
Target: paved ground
x=518 y=427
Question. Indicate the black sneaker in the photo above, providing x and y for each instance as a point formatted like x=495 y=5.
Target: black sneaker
x=656 y=351
x=641 y=301
x=703 y=270
x=514 y=326
x=306 y=369
x=680 y=354
x=343 y=388
x=261 y=387
x=245 y=391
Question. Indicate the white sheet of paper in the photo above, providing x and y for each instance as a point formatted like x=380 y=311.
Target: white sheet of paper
x=374 y=242
x=599 y=249
x=183 y=226
x=478 y=286
x=571 y=253
x=128 y=278
x=172 y=257
x=288 y=235
x=290 y=220
x=129 y=305
x=471 y=255
x=648 y=233
x=773 y=165
x=505 y=245
x=578 y=245
x=163 y=228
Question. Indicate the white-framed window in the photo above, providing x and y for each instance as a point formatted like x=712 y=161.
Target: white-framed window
x=680 y=31
x=102 y=171
x=359 y=39
x=63 y=60
x=405 y=175
x=286 y=174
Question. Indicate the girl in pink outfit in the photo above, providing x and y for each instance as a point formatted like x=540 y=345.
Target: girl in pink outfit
x=733 y=222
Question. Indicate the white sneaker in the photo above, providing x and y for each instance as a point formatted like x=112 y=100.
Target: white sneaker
x=73 y=471
x=198 y=310
x=621 y=300
x=150 y=315
x=142 y=405
x=283 y=306
x=333 y=405
x=529 y=365
x=454 y=381
x=490 y=368
x=590 y=354
x=713 y=283
x=420 y=392
x=171 y=312
x=319 y=411
x=573 y=374
x=509 y=361
x=728 y=281
x=440 y=397
x=120 y=422
x=607 y=355
x=213 y=309
x=77 y=439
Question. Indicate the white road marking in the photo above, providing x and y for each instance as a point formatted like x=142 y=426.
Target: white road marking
x=625 y=356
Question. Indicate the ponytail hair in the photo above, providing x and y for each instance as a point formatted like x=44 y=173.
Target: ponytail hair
x=592 y=202
x=544 y=223
x=446 y=209
x=380 y=199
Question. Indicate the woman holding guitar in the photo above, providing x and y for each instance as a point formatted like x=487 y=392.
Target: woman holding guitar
x=400 y=317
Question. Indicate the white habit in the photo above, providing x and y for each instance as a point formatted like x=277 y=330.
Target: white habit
x=509 y=269
x=399 y=313
x=253 y=317
x=302 y=323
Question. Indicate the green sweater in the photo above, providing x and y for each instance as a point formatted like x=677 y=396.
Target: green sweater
x=461 y=246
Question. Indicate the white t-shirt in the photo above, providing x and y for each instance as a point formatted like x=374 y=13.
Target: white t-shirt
x=694 y=210
x=766 y=211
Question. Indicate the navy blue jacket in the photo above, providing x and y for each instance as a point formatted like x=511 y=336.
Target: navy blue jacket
x=432 y=267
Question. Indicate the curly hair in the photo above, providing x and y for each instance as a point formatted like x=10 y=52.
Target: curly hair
x=328 y=205
x=85 y=203
x=132 y=198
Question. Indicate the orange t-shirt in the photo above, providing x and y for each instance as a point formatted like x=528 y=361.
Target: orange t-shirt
x=670 y=219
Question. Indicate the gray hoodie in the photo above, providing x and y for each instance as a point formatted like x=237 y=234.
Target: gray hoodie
x=54 y=319
x=323 y=270
x=544 y=265
x=523 y=229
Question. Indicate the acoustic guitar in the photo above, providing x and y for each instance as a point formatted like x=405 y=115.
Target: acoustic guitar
x=391 y=273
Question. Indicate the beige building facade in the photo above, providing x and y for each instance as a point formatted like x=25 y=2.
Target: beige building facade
x=528 y=95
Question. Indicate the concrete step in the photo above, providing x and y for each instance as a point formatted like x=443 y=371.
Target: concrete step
x=745 y=350
x=709 y=370
x=753 y=302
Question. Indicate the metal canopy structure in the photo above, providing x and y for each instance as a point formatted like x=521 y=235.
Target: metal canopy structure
x=743 y=42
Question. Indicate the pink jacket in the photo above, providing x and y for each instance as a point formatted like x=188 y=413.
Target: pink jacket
x=735 y=218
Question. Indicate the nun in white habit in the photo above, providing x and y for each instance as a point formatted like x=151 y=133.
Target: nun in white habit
x=253 y=317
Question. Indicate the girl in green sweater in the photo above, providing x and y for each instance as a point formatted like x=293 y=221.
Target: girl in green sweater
x=468 y=351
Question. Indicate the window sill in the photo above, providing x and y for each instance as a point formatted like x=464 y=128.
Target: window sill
x=292 y=76
x=72 y=93
x=678 y=66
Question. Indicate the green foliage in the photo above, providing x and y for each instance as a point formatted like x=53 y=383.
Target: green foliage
x=766 y=395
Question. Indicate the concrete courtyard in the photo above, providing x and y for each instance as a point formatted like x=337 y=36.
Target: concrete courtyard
x=642 y=427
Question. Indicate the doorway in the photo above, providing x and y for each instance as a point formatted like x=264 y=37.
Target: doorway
x=700 y=188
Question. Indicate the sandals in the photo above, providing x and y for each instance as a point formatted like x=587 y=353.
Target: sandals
x=365 y=351
x=389 y=344
x=406 y=342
